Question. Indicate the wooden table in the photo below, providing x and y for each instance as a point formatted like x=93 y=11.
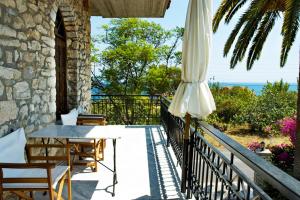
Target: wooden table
x=60 y=132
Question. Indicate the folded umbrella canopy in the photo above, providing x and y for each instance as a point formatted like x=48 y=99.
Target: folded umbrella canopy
x=193 y=95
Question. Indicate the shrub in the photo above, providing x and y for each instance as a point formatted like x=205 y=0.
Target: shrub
x=275 y=103
x=288 y=128
x=283 y=156
x=255 y=146
x=273 y=129
x=230 y=103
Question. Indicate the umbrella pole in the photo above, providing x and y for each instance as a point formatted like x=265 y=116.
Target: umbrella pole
x=186 y=138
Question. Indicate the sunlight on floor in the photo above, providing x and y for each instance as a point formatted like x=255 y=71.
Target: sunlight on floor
x=146 y=169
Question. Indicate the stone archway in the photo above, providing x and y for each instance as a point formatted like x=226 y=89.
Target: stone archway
x=61 y=66
x=71 y=60
x=76 y=20
x=73 y=54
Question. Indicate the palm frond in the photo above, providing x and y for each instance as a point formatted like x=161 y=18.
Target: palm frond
x=290 y=28
x=233 y=34
x=263 y=31
x=255 y=25
x=244 y=20
x=232 y=11
x=222 y=11
x=244 y=40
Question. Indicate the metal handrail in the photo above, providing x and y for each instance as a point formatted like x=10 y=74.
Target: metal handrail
x=127 y=109
x=283 y=182
x=125 y=95
x=286 y=184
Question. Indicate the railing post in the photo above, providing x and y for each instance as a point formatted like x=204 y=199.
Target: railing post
x=168 y=128
x=165 y=119
x=186 y=138
x=190 y=165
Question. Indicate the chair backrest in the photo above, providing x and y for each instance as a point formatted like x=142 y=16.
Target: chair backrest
x=91 y=120
x=70 y=118
x=12 y=147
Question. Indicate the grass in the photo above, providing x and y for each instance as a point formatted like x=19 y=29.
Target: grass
x=244 y=136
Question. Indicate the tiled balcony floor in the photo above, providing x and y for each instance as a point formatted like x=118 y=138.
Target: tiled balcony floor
x=146 y=169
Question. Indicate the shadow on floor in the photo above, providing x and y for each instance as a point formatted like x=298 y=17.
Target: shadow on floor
x=81 y=190
x=164 y=179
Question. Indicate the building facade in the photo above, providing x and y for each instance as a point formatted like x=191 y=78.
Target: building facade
x=45 y=55
x=44 y=61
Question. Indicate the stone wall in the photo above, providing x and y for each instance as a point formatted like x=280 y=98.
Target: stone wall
x=27 y=63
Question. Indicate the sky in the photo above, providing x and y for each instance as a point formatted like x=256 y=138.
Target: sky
x=267 y=68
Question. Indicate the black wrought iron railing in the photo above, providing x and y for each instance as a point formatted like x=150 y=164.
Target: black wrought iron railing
x=214 y=173
x=128 y=109
x=174 y=127
x=211 y=172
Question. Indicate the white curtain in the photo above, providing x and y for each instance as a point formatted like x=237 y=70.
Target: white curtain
x=193 y=95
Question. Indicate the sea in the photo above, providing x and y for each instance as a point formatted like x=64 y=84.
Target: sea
x=256 y=87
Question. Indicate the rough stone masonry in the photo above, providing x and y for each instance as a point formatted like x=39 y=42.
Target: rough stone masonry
x=27 y=62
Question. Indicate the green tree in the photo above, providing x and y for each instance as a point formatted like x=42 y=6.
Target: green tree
x=139 y=56
x=162 y=80
x=275 y=103
x=132 y=46
x=254 y=27
x=94 y=53
x=231 y=102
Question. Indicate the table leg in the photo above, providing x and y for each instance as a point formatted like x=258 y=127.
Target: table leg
x=46 y=149
x=115 y=181
x=47 y=161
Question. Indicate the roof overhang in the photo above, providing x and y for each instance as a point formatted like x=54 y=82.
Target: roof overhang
x=128 y=8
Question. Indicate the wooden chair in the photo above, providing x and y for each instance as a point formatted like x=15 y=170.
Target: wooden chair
x=93 y=149
x=94 y=120
x=21 y=178
x=86 y=149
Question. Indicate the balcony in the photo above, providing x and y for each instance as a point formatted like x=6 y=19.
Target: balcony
x=150 y=159
x=225 y=172
x=145 y=168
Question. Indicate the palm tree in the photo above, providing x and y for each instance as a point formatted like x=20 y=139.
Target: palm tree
x=252 y=30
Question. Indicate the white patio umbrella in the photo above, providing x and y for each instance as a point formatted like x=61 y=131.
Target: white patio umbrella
x=193 y=96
